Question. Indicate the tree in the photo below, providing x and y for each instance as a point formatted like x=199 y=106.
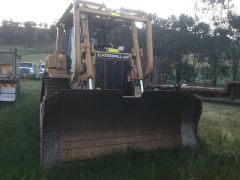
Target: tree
x=201 y=35
x=29 y=32
x=179 y=42
x=234 y=50
x=10 y=31
x=218 y=41
x=214 y=12
x=215 y=47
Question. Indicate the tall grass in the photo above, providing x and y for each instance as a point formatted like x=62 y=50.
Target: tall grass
x=217 y=157
x=19 y=135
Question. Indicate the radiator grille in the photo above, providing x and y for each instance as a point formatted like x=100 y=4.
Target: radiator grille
x=112 y=74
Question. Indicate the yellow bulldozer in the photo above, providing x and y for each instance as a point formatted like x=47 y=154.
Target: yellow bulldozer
x=93 y=100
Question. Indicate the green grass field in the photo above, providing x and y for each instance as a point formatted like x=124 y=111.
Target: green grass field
x=217 y=157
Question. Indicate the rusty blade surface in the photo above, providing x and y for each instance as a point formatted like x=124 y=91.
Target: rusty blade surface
x=89 y=123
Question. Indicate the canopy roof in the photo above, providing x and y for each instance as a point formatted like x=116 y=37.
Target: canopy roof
x=100 y=11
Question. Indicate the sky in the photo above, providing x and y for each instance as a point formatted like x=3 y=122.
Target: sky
x=47 y=11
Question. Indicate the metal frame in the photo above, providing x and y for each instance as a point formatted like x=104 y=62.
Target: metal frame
x=85 y=7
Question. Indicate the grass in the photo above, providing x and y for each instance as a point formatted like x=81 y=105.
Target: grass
x=19 y=134
x=38 y=48
x=217 y=157
x=34 y=58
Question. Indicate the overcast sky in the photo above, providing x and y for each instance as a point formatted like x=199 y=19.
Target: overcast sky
x=49 y=10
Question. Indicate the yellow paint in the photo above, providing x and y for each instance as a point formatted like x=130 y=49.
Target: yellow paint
x=112 y=50
x=115 y=14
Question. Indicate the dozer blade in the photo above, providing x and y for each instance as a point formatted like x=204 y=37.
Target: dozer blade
x=79 y=124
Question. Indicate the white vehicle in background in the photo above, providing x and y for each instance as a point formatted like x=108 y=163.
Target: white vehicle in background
x=42 y=68
x=27 y=70
x=9 y=75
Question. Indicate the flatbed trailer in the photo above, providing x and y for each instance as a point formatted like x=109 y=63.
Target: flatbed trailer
x=231 y=89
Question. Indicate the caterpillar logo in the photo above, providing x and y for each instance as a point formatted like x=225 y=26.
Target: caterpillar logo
x=101 y=55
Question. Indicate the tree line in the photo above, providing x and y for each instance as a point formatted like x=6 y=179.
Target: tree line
x=25 y=34
x=203 y=49
x=190 y=49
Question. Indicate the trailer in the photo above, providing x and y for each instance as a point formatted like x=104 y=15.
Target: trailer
x=9 y=79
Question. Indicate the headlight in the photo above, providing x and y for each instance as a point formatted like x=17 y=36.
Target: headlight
x=31 y=71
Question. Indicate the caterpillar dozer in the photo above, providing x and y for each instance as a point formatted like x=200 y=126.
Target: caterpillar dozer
x=93 y=100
